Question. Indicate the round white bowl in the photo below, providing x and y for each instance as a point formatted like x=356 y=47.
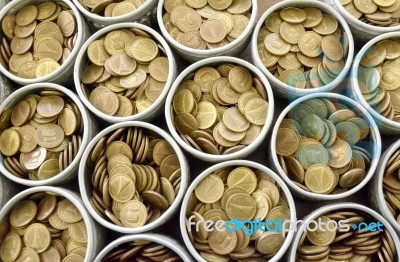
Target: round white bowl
x=62 y=75
x=86 y=187
x=156 y=108
x=214 y=61
x=376 y=148
x=284 y=90
x=250 y=164
x=7 y=190
x=89 y=131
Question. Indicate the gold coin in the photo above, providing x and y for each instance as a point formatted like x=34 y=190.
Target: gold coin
x=234 y=120
x=33 y=233
x=241 y=206
x=133 y=214
x=289 y=142
x=223 y=242
x=332 y=48
x=256 y=111
x=23 y=214
x=244 y=178
x=320 y=179
x=144 y=49
x=122 y=64
x=293 y=15
x=49 y=135
x=212 y=31
x=327 y=26
x=273 y=22
x=291 y=32
x=209 y=184
x=183 y=101
x=97 y=53
x=240 y=79
x=269 y=242
x=10 y=142
x=310 y=44
x=20 y=113
x=313 y=17
x=206 y=115
x=11 y=247
x=276 y=45
x=121 y=188
x=159 y=69
x=321 y=237
x=50 y=106
x=48 y=169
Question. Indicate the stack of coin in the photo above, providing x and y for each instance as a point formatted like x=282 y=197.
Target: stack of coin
x=41 y=135
x=38 y=39
x=141 y=250
x=206 y=24
x=136 y=177
x=355 y=244
x=127 y=72
x=303 y=48
x=374 y=12
x=391 y=185
x=220 y=110
x=321 y=146
x=239 y=194
x=112 y=8
x=378 y=78
x=44 y=227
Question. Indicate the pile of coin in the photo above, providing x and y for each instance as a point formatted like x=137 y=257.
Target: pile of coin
x=391 y=185
x=202 y=24
x=112 y=8
x=141 y=250
x=127 y=72
x=233 y=195
x=349 y=240
x=374 y=12
x=45 y=227
x=220 y=110
x=136 y=176
x=38 y=39
x=303 y=48
x=323 y=146
x=378 y=78
x=41 y=135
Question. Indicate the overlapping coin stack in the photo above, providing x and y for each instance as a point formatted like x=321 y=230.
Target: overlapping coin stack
x=302 y=47
x=378 y=78
x=127 y=72
x=112 y=8
x=323 y=141
x=44 y=227
x=349 y=245
x=41 y=135
x=206 y=24
x=136 y=177
x=391 y=185
x=220 y=110
x=243 y=194
x=38 y=39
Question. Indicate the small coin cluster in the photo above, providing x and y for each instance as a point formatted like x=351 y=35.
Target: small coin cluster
x=112 y=8
x=355 y=244
x=303 y=48
x=378 y=78
x=44 y=227
x=391 y=185
x=202 y=24
x=127 y=72
x=220 y=110
x=321 y=146
x=374 y=12
x=38 y=39
x=136 y=176
x=236 y=193
x=141 y=250
x=41 y=135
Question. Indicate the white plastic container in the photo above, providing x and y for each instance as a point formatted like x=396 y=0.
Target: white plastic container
x=283 y=90
x=376 y=145
x=377 y=198
x=156 y=108
x=143 y=15
x=90 y=129
x=62 y=75
x=385 y=125
x=86 y=188
x=215 y=61
x=250 y=164
x=155 y=238
x=234 y=48
x=338 y=207
x=96 y=235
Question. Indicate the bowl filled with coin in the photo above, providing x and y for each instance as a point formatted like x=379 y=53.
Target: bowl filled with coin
x=40 y=40
x=144 y=247
x=44 y=131
x=202 y=29
x=369 y=19
x=125 y=72
x=325 y=146
x=105 y=13
x=220 y=108
x=137 y=177
x=243 y=203
x=302 y=47
x=384 y=189
x=345 y=232
x=48 y=224
x=374 y=81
